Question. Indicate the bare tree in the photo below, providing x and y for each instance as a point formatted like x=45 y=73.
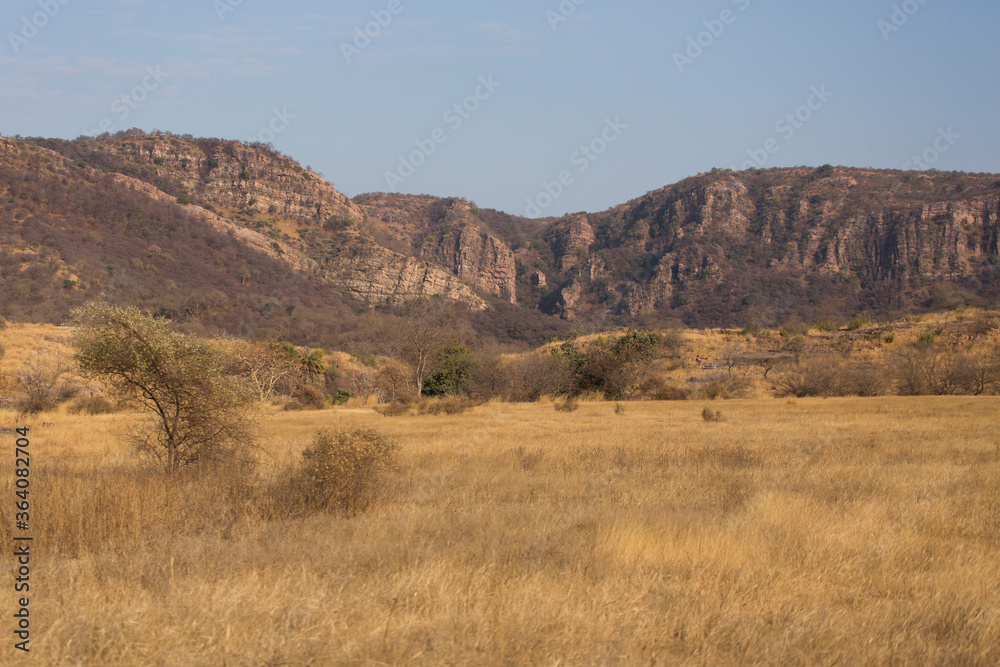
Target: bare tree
x=417 y=335
x=263 y=366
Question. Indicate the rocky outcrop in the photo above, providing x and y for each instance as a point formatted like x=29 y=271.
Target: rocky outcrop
x=234 y=177
x=479 y=259
x=764 y=245
x=449 y=233
x=382 y=277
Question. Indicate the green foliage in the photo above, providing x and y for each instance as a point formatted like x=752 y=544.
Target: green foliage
x=312 y=362
x=197 y=413
x=337 y=224
x=246 y=174
x=611 y=367
x=344 y=470
x=824 y=326
x=184 y=200
x=342 y=396
x=890 y=339
x=926 y=339
x=858 y=323
x=451 y=371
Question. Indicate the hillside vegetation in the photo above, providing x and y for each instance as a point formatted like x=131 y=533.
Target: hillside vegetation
x=237 y=237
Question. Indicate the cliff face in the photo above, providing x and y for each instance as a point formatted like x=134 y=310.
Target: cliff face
x=292 y=215
x=769 y=245
x=382 y=277
x=233 y=177
x=757 y=247
x=449 y=233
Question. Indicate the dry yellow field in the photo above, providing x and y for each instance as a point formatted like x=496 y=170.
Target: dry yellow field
x=847 y=531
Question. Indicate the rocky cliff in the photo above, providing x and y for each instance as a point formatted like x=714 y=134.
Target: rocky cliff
x=294 y=216
x=755 y=247
x=780 y=243
x=449 y=233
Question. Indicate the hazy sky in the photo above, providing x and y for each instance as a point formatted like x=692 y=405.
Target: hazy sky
x=613 y=98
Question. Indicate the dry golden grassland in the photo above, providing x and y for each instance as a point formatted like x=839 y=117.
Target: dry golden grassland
x=841 y=531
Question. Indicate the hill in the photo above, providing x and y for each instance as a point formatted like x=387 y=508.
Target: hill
x=230 y=236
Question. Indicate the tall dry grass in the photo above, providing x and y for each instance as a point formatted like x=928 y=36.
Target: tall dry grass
x=860 y=531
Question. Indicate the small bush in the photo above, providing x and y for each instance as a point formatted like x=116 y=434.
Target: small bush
x=342 y=396
x=394 y=409
x=344 y=470
x=890 y=339
x=451 y=405
x=825 y=325
x=660 y=389
x=716 y=390
x=926 y=339
x=568 y=404
x=307 y=397
x=92 y=405
x=858 y=323
x=710 y=415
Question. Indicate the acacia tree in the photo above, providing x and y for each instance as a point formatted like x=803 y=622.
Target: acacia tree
x=198 y=413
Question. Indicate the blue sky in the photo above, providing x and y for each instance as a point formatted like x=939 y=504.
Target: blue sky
x=612 y=98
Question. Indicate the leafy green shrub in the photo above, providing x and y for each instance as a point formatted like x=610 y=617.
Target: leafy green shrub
x=345 y=470
x=926 y=339
x=342 y=396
